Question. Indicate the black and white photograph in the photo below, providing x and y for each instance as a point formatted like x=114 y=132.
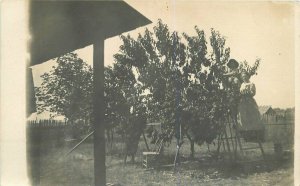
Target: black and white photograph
x=149 y=93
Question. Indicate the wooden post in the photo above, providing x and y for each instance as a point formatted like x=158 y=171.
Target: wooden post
x=148 y=149
x=98 y=113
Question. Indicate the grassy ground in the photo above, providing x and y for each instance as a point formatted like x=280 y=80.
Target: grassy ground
x=77 y=168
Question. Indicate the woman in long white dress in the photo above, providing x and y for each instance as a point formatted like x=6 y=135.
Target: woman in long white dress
x=250 y=124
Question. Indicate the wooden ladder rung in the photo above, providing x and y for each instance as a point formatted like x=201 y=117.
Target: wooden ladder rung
x=249 y=148
x=250 y=161
x=228 y=138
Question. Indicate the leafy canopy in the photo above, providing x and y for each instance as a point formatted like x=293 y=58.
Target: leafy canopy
x=182 y=78
x=67 y=88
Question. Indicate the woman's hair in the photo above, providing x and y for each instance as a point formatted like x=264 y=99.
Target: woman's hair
x=232 y=64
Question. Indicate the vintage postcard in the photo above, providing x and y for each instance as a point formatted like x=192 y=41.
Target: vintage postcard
x=171 y=92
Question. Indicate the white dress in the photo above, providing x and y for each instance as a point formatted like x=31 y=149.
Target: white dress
x=249 y=119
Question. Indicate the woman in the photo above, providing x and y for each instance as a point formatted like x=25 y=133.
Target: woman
x=233 y=72
x=232 y=85
x=250 y=124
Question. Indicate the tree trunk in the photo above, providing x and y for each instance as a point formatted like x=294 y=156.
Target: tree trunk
x=192 y=148
x=192 y=142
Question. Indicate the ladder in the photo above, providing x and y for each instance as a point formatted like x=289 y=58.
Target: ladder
x=230 y=139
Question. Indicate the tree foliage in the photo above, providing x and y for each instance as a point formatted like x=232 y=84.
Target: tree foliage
x=183 y=79
x=123 y=99
x=67 y=89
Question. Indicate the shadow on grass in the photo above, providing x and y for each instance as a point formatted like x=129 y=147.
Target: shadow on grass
x=54 y=168
x=223 y=168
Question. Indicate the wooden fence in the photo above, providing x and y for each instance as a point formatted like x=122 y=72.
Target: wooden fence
x=42 y=137
x=279 y=129
x=45 y=123
x=46 y=133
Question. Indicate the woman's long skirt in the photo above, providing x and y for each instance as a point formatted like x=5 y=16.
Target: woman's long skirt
x=250 y=126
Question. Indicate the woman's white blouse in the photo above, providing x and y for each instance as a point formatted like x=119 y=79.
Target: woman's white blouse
x=248 y=89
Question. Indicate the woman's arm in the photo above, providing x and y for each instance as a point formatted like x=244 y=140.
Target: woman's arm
x=230 y=74
x=252 y=90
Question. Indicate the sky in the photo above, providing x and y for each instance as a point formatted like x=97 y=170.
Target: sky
x=252 y=29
